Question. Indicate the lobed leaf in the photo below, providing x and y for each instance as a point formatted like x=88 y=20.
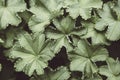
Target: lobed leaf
x=33 y=53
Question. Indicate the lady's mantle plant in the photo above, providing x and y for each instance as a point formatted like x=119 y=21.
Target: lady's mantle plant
x=33 y=33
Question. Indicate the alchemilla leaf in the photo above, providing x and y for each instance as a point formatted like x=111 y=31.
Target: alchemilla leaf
x=59 y=39
x=63 y=31
x=9 y=10
x=60 y=73
x=111 y=70
x=97 y=37
x=32 y=52
x=10 y=36
x=82 y=7
x=84 y=56
x=43 y=12
x=111 y=19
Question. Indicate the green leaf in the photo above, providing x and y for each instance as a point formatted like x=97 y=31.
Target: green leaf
x=9 y=10
x=82 y=8
x=64 y=28
x=61 y=73
x=43 y=12
x=32 y=52
x=26 y=15
x=97 y=38
x=10 y=36
x=111 y=70
x=1 y=41
x=93 y=77
x=84 y=55
x=0 y=67
x=110 y=19
x=59 y=43
x=66 y=25
x=117 y=9
x=113 y=66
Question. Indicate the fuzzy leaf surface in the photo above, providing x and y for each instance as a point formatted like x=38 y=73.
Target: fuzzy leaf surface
x=32 y=52
x=111 y=70
x=43 y=12
x=111 y=19
x=61 y=73
x=9 y=10
x=84 y=55
x=64 y=29
x=82 y=7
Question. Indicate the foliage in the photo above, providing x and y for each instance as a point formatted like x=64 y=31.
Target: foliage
x=34 y=32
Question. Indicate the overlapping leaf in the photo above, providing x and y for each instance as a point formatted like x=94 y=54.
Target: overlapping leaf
x=61 y=73
x=111 y=70
x=32 y=51
x=82 y=7
x=84 y=55
x=10 y=36
x=8 y=12
x=97 y=37
x=64 y=29
x=43 y=12
x=111 y=19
